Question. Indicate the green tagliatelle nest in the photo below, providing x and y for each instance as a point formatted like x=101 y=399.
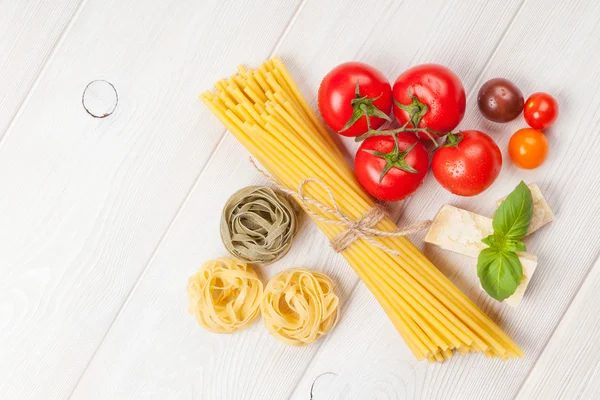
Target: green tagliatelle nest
x=258 y=225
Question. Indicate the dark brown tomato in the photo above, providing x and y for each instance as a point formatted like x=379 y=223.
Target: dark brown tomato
x=500 y=100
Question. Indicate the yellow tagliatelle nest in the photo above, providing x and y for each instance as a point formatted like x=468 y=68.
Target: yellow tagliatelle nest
x=299 y=306
x=224 y=295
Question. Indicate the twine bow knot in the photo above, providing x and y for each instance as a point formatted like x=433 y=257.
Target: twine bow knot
x=361 y=228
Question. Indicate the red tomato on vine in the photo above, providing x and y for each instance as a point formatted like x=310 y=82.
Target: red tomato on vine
x=429 y=96
x=468 y=163
x=391 y=168
x=352 y=92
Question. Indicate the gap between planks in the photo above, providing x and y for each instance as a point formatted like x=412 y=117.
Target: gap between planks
x=171 y=224
x=57 y=45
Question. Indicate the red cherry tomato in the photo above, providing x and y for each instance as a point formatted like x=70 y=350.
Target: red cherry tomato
x=432 y=92
x=391 y=170
x=541 y=110
x=351 y=91
x=528 y=148
x=469 y=167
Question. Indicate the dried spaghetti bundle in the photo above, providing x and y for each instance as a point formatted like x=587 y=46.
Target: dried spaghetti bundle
x=266 y=112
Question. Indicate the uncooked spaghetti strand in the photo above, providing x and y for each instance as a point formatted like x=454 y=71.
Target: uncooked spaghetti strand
x=301 y=99
x=385 y=287
x=334 y=159
x=472 y=316
x=292 y=142
x=287 y=142
x=276 y=142
x=392 y=310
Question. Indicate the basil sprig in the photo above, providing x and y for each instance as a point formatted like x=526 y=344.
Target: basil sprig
x=498 y=266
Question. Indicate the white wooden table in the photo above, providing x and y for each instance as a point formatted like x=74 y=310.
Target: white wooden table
x=103 y=220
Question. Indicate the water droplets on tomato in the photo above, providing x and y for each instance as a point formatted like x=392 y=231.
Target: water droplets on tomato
x=456 y=169
x=473 y=152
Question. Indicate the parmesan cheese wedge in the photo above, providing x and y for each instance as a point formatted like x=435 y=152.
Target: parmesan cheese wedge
x=461 y=231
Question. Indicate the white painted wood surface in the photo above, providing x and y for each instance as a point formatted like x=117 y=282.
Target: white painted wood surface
x=103 y=220
x=87 y=201
x=573 y=346
x=30 y=32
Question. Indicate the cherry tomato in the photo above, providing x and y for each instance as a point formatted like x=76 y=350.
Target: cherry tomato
x=500 y=100
x=430 y=95
x=391 y=169
x=528 y=148
x=541 y=110
x=350 y=92
x=469 y=163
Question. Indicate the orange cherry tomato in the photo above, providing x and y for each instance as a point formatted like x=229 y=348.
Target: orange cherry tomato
x=528 y=148
x=540 y=110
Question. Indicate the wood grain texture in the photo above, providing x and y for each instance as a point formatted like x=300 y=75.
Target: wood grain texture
x=85 y=201
x=222 y=367
x=567 y=248
x=29 y=33
x=95 y=207
x=568 y=367
x=363 y=359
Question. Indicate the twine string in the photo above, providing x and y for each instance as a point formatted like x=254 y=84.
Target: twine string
x=362 y=228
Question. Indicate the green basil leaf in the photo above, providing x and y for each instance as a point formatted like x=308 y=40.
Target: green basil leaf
x=514 y=245
x=513 y=217
x=499 y=272
x=493 y=241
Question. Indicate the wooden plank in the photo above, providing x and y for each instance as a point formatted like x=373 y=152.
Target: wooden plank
x=85 y=201
x=29 y=33
x=566 y=248
x=251 y=364
x=568 y=366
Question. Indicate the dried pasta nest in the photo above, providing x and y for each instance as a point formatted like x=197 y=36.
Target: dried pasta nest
x=224 y=295
x=258 y=225
x=299 y=306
